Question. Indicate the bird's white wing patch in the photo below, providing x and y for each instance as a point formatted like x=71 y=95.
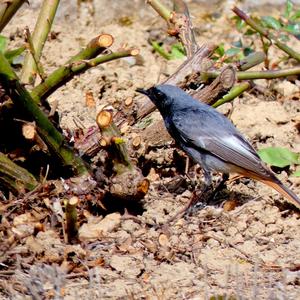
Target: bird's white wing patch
x=234 y=143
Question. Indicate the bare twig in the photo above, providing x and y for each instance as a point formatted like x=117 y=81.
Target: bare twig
x=194 y=65
x=219 y=86
x=162 y=10
x=71 y=218
x=183 y=27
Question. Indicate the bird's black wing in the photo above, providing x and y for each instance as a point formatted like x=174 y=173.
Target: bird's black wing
x=214 y=133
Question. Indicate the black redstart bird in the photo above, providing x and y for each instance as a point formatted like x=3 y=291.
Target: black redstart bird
x=210 y=139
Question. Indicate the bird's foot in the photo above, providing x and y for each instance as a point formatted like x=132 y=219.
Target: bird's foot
x=206 y=197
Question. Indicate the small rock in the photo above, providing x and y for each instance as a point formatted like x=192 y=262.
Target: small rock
x=256 y=228
x=212 y=243
x=93 y=231
x=249 y=247
x=130 y=226
x=273 y=228
x=241 y=225
x=286 y=88
x=232 y=231
x=129 y=266
x=237 y=239
x=187 y=194
x=163 y=240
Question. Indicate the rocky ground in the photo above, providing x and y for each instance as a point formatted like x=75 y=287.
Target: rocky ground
x=250 y=252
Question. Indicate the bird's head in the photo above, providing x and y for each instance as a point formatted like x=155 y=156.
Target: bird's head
x=163 y=96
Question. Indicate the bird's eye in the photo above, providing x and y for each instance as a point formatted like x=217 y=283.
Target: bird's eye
x=159 y=94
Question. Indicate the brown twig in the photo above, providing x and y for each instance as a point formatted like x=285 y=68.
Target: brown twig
x=71 y=218
x=221 y=85
x=194 y=65
x=183 y=27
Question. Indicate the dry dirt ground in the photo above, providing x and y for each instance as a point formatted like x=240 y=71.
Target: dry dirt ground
x=251 y=252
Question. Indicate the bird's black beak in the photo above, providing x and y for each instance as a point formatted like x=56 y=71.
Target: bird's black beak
x=142 y=91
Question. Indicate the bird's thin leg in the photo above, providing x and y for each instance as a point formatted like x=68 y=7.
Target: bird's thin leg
x=188 y=208
x=207 y=195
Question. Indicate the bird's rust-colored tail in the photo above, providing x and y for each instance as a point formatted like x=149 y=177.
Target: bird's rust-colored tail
x=277 y=185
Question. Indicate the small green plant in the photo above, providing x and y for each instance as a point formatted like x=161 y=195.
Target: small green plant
x=176 y=52
x=11 y=55
x=280 y=157
x=236 y=52
x=287 y=23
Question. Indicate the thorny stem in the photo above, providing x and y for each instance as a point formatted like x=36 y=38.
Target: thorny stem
x=65 y=73
x=162 y=10
x=252 y=23
x=14 y=177
x=39 y=36
x=52 y=137
x=270 y=74
x=34 y=54
x=7 y=11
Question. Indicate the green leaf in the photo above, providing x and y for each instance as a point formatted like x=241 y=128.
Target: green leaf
x=288 y=8
x=177 y=51
x=159 y=49
x=3 y=43
x=250 y=32
x=271 y=22
x=278 y=157
x=295 y=16
x=238 y=43
x=248 y=51
x=220 y=50
x=232 y=51
x=284 y=37
x=296 y=173
x=293 y=28
x=239 y=23
x=11 y=55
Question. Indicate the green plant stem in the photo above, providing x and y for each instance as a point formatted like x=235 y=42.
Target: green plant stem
x=7 y=11
x=162 y=10
x=264 y=32
x=65 y=73
x=95 y=47
x=233 y=93
x=251 y=60
x=34 y=54
x=39 y=36
x=270 y=74
x=15 y=178
x=50 y=135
